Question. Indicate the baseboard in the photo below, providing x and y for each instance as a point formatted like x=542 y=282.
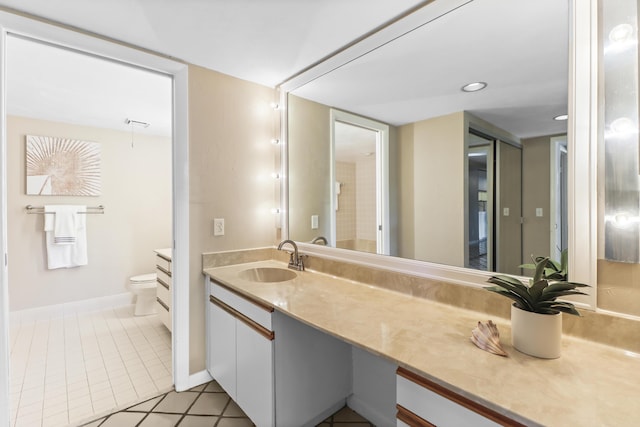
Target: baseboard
x=373 y=415
x=326 y=413
x=70 y=308
x=195 y=380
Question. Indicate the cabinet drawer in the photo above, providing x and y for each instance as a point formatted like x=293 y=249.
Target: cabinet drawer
x=163 y=277
x=254 y=310
x=163 y=293
x=163 y=263
x=436 y=405
x=164 y=313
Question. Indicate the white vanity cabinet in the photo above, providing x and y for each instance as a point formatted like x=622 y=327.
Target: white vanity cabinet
x=277 y=369
x=163 y=288
x=241 y=352
x=424 y=403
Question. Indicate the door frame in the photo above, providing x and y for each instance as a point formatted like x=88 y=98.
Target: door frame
x=557 y=147
x=90 y=44
x=383 y=243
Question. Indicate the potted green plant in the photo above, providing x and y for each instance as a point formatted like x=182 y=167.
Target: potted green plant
x=553 y=270
x=536 y=320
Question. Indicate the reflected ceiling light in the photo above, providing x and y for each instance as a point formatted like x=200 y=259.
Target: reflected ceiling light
x=474 y=87
x=621 y=33
x=477 y=154
x=561 y=117
x=623 y=126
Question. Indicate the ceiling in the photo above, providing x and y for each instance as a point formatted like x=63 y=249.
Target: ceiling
x=520 y=48
x=268 y=41
x=50 y=83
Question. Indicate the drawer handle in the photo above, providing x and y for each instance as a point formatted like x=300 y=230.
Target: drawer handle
x=411 y=419
x=165 y=306
x=270 y=335
x=163 y=284
x=164 y=270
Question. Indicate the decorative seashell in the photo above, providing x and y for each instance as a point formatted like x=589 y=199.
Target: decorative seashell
x=487 y=338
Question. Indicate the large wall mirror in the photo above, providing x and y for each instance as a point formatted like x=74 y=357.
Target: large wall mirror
x=476 y=179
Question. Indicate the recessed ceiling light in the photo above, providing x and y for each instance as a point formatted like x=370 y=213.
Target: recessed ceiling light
x=561 y=117
x=474 y=87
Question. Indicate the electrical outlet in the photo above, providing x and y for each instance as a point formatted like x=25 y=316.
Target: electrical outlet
x=218 y=226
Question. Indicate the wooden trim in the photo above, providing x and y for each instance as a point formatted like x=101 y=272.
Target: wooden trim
x=260 y=304
x=411 y=419
x=165 y=306
x=270 y=335
x=459 y=399
x=163 y=257
x=163 y=284
x=164 y=270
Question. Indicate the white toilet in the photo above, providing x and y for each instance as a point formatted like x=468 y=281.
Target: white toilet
x=144 y=288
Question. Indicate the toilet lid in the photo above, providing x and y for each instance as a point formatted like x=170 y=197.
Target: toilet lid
x=151 y=277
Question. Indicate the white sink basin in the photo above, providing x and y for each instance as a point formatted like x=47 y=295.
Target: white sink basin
x=267 y=274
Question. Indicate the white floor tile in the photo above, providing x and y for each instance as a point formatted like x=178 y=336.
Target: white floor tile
x=67 y=367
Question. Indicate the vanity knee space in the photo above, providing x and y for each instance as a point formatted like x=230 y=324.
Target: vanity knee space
x=256 y=354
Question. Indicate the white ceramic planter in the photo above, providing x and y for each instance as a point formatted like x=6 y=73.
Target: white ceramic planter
x=536 y=334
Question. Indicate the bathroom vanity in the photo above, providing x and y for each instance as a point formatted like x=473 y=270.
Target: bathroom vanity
x=163 y=296
x=408 y=360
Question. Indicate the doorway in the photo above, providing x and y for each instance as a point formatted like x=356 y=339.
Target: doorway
x=25 y=27
x=76 y=321
x=359 y=183
x=494 y=191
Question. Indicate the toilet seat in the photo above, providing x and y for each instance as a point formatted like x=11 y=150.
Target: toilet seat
x=144 y=278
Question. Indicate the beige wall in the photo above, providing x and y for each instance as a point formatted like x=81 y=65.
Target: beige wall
x=405 y=194
x=346 y=213
x=366 y=217
x=536 y=182
x=136 y=193
x=230 y=165
x=438 y=203
x=309 y=194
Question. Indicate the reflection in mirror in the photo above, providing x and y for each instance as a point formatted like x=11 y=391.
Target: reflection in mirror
x=359 y=215
x=440 y=208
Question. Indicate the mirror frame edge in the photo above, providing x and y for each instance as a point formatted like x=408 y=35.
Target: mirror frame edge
x=582 y=170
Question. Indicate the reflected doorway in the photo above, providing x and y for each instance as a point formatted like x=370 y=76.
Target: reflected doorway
x=360 y=184
x=494 y=191
x=480 y=193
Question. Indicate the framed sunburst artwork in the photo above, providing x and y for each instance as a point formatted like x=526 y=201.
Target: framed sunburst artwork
x=62 y=167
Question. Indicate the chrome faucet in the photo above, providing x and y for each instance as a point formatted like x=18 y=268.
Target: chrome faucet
x=295 y=261
x=320 y=239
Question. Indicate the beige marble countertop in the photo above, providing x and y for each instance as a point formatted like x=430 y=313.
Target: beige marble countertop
x=164 y=252
x=589 y=385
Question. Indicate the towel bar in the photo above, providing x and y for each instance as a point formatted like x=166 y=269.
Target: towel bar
x=40 y=210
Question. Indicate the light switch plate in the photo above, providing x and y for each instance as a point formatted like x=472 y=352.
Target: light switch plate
x=218 y=226
x=538 y=211
x=505 y=211
x=314 y=222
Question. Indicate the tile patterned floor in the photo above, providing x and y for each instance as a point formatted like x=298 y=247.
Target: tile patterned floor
x=203 y=406
x=66 y=369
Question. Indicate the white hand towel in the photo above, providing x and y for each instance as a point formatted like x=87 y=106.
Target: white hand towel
x=68 y=254
x=64 y=223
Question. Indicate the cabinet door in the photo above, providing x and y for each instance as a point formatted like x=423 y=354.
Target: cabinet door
x=255 y=384
x=222 y=349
